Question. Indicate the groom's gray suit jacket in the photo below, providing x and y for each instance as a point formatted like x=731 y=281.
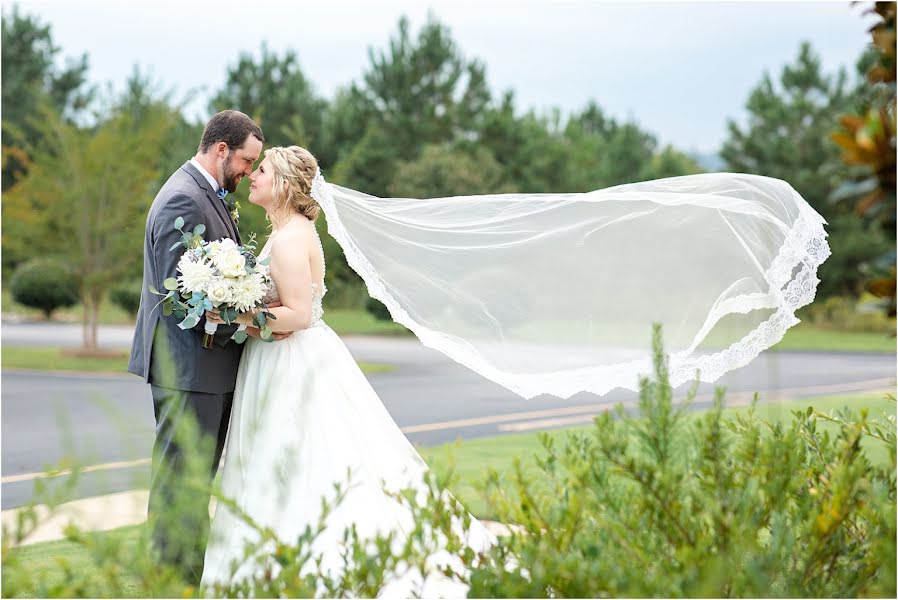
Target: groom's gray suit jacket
x=193 y=368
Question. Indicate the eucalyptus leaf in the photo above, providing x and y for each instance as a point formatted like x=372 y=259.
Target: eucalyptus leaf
x=189 y=323
x=199 y=229
x=175 y=245
x=153 y=290
x=167 y=309
x=179 y=222
x=170 y=283
x=265 y=333
x=239 y=336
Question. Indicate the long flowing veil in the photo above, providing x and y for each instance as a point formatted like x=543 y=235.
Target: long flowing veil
x=557 y=293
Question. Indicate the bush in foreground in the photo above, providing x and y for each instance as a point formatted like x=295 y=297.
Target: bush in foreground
x=658 y=504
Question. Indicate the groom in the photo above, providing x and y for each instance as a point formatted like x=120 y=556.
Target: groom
x=192 y=387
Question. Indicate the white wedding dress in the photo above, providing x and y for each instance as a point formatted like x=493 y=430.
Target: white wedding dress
x=303 y=414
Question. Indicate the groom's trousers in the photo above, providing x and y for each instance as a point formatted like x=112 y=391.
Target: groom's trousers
x=190 y=433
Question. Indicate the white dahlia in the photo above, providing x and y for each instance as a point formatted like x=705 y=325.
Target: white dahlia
x=195 y=273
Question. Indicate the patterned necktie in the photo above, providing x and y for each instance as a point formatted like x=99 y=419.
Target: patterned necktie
x=221 y=193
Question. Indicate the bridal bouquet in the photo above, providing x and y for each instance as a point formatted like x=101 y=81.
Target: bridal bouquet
x=220 y=275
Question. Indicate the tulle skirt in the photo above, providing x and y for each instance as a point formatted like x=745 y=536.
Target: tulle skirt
x=304 y=416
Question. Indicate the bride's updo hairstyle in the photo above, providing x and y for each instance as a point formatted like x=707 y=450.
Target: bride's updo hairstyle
x=294 y=170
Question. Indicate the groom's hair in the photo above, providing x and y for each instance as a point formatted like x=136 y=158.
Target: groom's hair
x=231 y=127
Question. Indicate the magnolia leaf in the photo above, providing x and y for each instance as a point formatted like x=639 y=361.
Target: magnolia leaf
x=170 y=283
x=179 y=222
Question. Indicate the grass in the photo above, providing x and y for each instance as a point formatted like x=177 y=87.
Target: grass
x=48 y=558
x=347 y=321
x=809 y=337
x=471 y=461
x=110 y=314
x=804 y=336
x=54 y=359
x=344 y=321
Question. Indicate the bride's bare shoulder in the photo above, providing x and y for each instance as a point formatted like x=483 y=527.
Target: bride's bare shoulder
x=294 y=235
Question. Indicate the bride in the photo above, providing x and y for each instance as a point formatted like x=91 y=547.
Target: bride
x=304 y=415
x=541 y=293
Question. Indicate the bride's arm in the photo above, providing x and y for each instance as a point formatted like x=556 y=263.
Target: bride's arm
x=291 y=271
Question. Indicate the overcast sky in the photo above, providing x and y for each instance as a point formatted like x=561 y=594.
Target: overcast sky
x=680 y=69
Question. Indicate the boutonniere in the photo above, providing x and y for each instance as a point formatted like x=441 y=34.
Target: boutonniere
x=234 y=209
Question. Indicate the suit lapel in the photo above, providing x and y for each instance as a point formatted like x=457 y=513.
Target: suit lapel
x=217 y=204
x=222 y=211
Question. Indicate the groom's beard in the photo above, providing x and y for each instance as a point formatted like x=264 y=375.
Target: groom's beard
x=230 y=176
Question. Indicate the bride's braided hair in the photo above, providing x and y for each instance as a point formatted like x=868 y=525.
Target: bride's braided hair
x=294 y=170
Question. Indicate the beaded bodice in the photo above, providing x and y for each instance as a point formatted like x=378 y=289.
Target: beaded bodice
x=318 y=289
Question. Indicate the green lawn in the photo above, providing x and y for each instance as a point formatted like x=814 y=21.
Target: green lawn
x=48 y=558
x=803 y=336
x=808 y=337
x=53 y=359
x=344 y=321
x=347 y=321
x=110 y=314
x=472 y=459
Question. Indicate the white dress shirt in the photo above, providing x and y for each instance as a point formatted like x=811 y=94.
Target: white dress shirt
x=205 y=174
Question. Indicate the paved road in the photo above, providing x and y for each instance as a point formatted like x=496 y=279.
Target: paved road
x=108 y=419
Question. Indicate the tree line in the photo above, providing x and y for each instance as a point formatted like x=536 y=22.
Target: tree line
x=80 y=165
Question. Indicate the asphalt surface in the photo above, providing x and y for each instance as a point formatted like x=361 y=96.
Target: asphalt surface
x=107 y=421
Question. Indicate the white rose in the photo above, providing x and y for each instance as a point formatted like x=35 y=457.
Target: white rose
x=218 y=291
x=231 y=264
x=213 y=248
